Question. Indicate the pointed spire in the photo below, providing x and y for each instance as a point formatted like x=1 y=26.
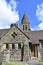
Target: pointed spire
x=25 y=23
x=25 y=18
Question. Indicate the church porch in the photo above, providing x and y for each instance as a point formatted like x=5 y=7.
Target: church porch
x=34 y=51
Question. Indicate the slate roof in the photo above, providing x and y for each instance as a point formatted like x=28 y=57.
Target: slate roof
x=3 y=32
x=34 y=36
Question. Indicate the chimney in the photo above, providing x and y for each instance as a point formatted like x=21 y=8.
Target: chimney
x=11 y=25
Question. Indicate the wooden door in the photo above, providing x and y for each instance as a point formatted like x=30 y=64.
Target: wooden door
x=32 y=51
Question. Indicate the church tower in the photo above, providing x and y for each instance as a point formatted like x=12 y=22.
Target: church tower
x=25 y=25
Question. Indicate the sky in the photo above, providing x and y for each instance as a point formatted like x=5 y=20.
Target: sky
x=11 y=11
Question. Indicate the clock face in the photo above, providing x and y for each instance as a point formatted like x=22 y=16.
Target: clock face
x=14 y=34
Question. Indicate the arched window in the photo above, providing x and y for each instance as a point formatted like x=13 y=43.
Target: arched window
x=23 y=27
x=7 y=46
x=13 y=46
x=19 y=46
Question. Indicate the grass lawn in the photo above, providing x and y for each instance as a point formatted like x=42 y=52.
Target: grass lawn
x=41 y=60
x=13 y=63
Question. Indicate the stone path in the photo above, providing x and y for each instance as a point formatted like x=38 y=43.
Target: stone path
x=34 y=62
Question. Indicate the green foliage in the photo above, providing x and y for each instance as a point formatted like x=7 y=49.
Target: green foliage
x=13 y=63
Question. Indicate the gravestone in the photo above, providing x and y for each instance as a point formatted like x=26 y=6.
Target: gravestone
x=1 y=58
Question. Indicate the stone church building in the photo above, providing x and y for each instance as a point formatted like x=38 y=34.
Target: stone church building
x=21 y=44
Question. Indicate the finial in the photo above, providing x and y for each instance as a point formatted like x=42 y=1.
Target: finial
x=24 y=14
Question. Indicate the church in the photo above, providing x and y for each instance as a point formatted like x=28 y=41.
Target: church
x=21 y=44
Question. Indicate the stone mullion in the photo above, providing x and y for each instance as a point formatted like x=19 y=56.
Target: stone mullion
x=21 y=45
x=10 y=46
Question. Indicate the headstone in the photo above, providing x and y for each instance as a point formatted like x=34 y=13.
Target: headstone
x=1 y=58
x=8 y=57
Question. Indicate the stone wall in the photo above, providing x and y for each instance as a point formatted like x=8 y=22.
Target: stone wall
x=41 y=53
x=26 y=53
x=12 y=55
x=16 y=55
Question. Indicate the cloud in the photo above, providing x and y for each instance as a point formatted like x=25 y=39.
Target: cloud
x=39 y=14
x=40 y=26
x=8 y=13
